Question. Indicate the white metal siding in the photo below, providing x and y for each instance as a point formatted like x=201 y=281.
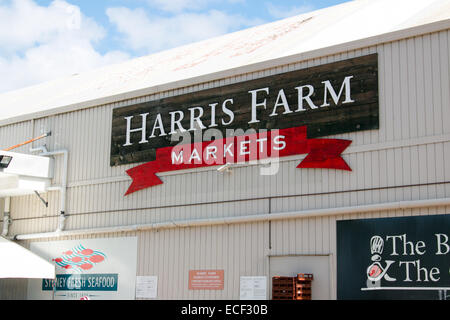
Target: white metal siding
x=405 y=159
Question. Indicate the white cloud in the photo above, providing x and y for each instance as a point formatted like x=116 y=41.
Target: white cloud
x=281 y=12
x=42 y=43
x=154 y=33
x=177 y=6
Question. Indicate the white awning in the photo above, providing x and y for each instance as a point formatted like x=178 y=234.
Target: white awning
x=18 y=262
x=24 y=174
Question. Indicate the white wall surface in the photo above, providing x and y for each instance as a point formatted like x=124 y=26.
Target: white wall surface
x=405 y=159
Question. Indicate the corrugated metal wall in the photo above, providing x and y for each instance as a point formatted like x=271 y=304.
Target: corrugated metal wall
x=404 y=160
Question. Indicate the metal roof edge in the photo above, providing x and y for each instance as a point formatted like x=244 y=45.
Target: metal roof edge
x=268 y=64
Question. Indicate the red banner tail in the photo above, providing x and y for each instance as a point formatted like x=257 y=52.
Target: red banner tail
x=322 y=153
x=326 y=153
x=143 y=176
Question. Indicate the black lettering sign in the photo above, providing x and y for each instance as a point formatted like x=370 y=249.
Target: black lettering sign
x=394 y=258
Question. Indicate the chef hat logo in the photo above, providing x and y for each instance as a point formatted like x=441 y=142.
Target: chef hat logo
x=376 y=245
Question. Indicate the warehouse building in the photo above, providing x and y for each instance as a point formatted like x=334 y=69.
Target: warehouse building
x=317 y=144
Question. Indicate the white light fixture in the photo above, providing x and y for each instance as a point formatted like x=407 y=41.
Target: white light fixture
x=5 y=161
x=22 y=174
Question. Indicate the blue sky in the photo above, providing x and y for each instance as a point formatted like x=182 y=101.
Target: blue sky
x=41 y=40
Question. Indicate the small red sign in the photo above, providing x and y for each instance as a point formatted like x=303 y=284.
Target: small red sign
x=206 y=279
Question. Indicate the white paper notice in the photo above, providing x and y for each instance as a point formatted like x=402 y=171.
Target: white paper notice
x=146 y=287
x=253 y=288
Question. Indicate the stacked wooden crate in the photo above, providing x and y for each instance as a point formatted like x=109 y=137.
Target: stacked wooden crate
x=283 y=288
x=303 y=286
x=292 y=288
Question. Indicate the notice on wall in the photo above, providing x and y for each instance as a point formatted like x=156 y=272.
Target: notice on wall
x=146 y=287
x=253 y=288
x=94 y=269
x=394 y=258
x=206 y=279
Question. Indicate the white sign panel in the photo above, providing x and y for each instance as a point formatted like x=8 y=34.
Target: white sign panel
x=253 y=288
x=146 y=287
x=96 y=269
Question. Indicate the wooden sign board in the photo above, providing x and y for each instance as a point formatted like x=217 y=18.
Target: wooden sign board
x=329 y=99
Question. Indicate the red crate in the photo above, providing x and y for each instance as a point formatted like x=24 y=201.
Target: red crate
x=280 y=279
x=303 y=286
x=292 y=288
x=283 y=295
x=283 y=288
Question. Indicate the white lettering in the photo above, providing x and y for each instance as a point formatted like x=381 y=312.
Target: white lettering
x=244 y=148
x=256 y=104
x=422 y=273
x=434 y=271
x=198 y=310
x=213 y=115
x=196 y=119
x=174 y=121
x=307 y=98
x=194 y=155
x=261 y=145
x=329 y=88
x=405 y=244
x=441 y=243
x=178 y=158
x=227 y=149
x=408 y=279
x=420 y=245
x=283 y=103
x=158 y=125
x=394 y=252
x=211 y=151
x=423 y=270
x=409 y=247
x=278 y=142
x=142 y=129
x=227 y=111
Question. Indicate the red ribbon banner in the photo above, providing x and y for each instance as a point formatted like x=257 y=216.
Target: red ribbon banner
x=321 y=153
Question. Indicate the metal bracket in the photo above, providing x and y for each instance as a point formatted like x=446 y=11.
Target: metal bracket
x=42 y=199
